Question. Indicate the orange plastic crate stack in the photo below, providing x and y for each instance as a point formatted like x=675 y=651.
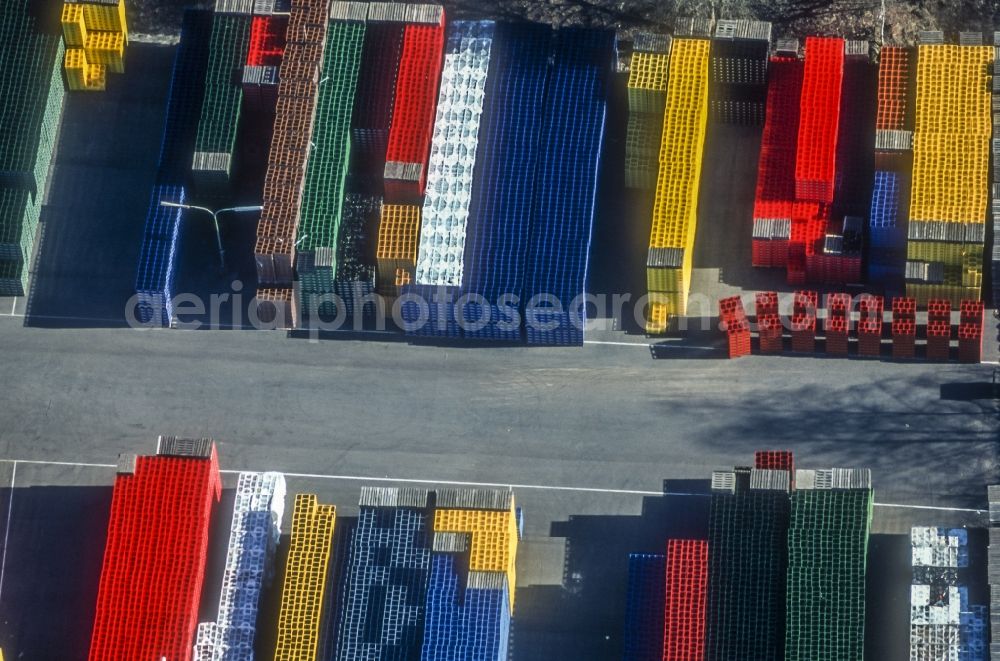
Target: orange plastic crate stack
x=904 y=327
x=804 y=322
x=939 y=329
x=737 y=327
x=769 y=326
x=970 y=331
x=396 y=255
x=872 y=310
x=893 y=89
x=838 y=323
x=685 y=600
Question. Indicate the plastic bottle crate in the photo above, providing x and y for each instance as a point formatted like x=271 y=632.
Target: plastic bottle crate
x=493 y=543
x=108 y=16
x=647 y=82
x=684 y=603
x=894 y=89
x=644 y=607
x=815 y=163
x=267 y=40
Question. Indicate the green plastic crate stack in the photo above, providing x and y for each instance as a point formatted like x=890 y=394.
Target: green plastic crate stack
x=827 y=556
x=215 y=144
x=31 y=102
x=747 y=557
x=326 y=172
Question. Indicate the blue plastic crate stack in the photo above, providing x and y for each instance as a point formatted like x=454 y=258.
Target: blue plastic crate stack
x=887 y=254
x=500 y=209
x=644 y=604
x=385 y=578
x=253 y=538
x=445 y=215
x=565 y=197
x=156 y=269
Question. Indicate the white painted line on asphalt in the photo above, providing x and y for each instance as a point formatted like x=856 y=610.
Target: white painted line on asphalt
x=6 y=534
x=13 y=307
x=991 y=362
x=931 y=507
x=617 y=344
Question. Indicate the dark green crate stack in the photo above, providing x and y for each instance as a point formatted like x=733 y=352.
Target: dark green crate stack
x=827 y=556
x=215 y=144
x=747 y=547
x=31 y=102
x=326 y=172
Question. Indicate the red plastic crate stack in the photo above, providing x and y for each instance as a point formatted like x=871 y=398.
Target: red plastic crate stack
x=904 y=327
x=414 y=111
x=938 y=329
x=267 y=41
x=838 y=323
x=804 y=322
x=684 y=606
x=737 y=327
x=872 y=310
x=154 y=560
x=815 y=163
x=970 y=331
x=775 y=460
x=769 y=326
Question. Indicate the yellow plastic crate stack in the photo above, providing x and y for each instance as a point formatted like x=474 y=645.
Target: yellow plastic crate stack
x=95 y=34
x=396 y=255
x=950 y=190
x=675 y=208
x=489 y=519
x=304 y=587
x=647 y=97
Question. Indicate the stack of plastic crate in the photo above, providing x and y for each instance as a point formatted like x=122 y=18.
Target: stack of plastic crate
x=747 y=555
x=937 y=600
x=565 y=199
x=951 y=157
x=644 y=607
x=154 y=559
x=838 y=323
x=396 y=254
x=304 y=586
x=386 y=576
x=938 y=329
x=320 y=213
x=32 y=90
x=445 y=216
x=995 y=184
x=904 y=327
x=355 y=282
x=738 y=64
x=803 y=322
x=95 y=34
x=886 y=256
x=290 y=151
x=647 y=97
x=268 y=33
x=157 y=263
x=733 y=320
x=769 y=326
x=819 y=122
x=831 y=514
x=473 y=578
x=215 y=145
x=993 y=569
x=504 y=182
x=415 y=102
x=675 y=207
x=970 y=331
x=775 y=460
x=684 y=601
x=871 y=309
x=253 y=538
x=894 y=110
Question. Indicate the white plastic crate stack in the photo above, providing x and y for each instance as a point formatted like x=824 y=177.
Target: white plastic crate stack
x=256 y=528
x=453 y=154
x=936 y=600
x=994 y=570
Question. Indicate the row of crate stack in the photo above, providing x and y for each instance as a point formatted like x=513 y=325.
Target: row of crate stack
x=758 y=586
x=807 y=215
x=418 y=574
x=995 y=184
x=31 y=111
x=993 y=570
x=868 y=326
x=943 y=622
x=95 y=34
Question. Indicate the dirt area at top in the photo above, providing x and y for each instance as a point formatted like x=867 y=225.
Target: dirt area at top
x=885 y=21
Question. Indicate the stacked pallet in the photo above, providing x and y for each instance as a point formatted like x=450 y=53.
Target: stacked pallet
x=253 y=538
x=647 y=97
x=644 y=607
x=385 y=579
x=95 y=34
x=445 y=214
x=684 y=600
x=675 y=209
x=320 y=215
x=215 y=144
x=827 y=545
x=473 y=578
x=886 y=257
x=738 y=67
x=157 y=263
x=30 y=113
x=415 y=104
x=747 y=553
x=904 y=327
x=504 y=181
x=733 y=319
x=949 y=195
x=154 y=560
x=971 y=327
x=565 y=198
x=290 y=151
x=937 y=601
